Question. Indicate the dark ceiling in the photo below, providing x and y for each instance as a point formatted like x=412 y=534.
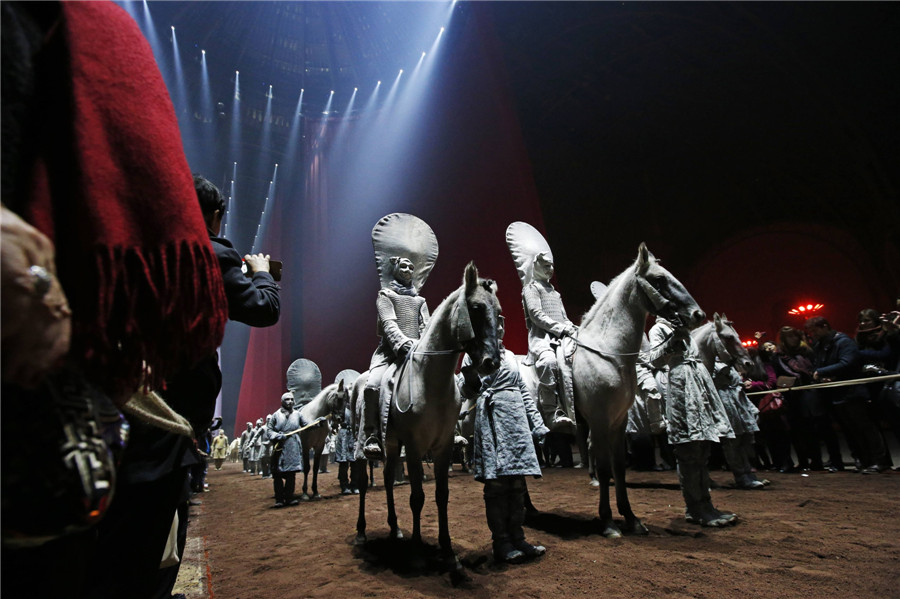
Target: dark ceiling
x=680 y=124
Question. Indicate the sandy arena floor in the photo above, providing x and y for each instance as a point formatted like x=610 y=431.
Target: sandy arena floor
x=815 y=536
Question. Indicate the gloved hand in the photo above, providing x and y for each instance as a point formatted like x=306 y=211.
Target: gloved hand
x=405 y=349
x=278 y=437
x=321 y=421
x=540 y=434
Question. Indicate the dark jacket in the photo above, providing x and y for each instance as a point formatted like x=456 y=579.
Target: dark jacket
x=251 y=300
x=836 y=357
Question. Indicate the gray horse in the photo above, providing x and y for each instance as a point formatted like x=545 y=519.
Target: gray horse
x=426 y=401
x=603 y=368
x=328 y=403
x=718 y=339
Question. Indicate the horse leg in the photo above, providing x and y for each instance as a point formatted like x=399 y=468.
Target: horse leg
x=388 y=467
x=315 y=471
x=632 y=524
x=442 y=498
x=608 y=528
x=416 y=493
x=358 y=475
x=305 y=496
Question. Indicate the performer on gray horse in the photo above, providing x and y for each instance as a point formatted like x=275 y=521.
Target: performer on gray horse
x=402 y=316
x=550 y=332
x=506 y=421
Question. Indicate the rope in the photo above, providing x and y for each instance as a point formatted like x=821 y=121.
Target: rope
x=871 y=379
x=604 y=353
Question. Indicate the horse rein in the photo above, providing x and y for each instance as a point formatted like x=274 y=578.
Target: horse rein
x=609 y=353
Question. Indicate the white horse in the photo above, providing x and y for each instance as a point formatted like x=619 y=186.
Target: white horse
x=603 y=368
x=426 y=401
x=328 y=403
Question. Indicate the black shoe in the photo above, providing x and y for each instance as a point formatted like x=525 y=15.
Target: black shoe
x=873 y=470
x=294 y=502
x=278 y=504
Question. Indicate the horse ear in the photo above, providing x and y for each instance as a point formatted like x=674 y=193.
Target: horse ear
x=643 y=259
x=340 y=385
x=724 y=318
x=460 y=322
x=470 y=278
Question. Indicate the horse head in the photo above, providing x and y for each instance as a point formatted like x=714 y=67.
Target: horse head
x=337 y=397
x=734 y=351
x=475 y=320
x=665 y=294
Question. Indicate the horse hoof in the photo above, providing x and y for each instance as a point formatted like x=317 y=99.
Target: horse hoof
x=637 y=528
x=611 y=531
x=396 y=534
x=304 y=497
x=359 y=540
x=317 y=497
x=595 y=483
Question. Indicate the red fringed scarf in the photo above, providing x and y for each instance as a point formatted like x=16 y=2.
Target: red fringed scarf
x=112 y=188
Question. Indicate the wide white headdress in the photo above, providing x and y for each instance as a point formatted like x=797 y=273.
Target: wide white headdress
x=525 y=243
x=304 y=380
x=349 y=377
x=598 y=290
x=406 y=236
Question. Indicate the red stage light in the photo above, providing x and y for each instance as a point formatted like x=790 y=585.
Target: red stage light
x=806 y=309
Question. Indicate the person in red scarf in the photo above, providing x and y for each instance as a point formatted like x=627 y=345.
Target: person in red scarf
x=93 y=169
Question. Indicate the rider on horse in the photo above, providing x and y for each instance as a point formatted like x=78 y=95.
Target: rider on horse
x=550 y=332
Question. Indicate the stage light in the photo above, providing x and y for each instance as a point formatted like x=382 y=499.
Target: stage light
x=203 y=52
x=806 y=309
x=423 y=55
x=173 y=28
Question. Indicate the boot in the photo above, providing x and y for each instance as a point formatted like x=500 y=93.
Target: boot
x=343 y=478
x=372 y=448
x=497 y=511
x=694 y=479
x=516 y=502
x=740 y=465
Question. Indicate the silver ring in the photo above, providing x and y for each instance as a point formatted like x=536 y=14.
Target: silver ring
x=42 y=280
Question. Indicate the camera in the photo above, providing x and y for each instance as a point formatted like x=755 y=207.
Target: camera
x=892 y=318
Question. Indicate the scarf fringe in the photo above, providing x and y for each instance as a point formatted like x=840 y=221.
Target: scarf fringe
x=159 y=311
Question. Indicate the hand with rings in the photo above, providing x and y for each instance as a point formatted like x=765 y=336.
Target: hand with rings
x=36 y=320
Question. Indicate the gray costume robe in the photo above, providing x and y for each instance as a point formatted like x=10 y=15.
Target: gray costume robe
x=283 y=421
x=742 y=414
x=694 y=410
x=344 y=445
x=645 y=415
x=505 y=420
x=256 y=443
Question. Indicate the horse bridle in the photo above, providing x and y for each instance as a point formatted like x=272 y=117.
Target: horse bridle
x=659 y=302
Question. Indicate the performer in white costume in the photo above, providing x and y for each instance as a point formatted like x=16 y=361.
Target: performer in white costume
x=550 y=332
x=405 y=251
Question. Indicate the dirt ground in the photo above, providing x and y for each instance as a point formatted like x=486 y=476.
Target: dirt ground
x=821 y=535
